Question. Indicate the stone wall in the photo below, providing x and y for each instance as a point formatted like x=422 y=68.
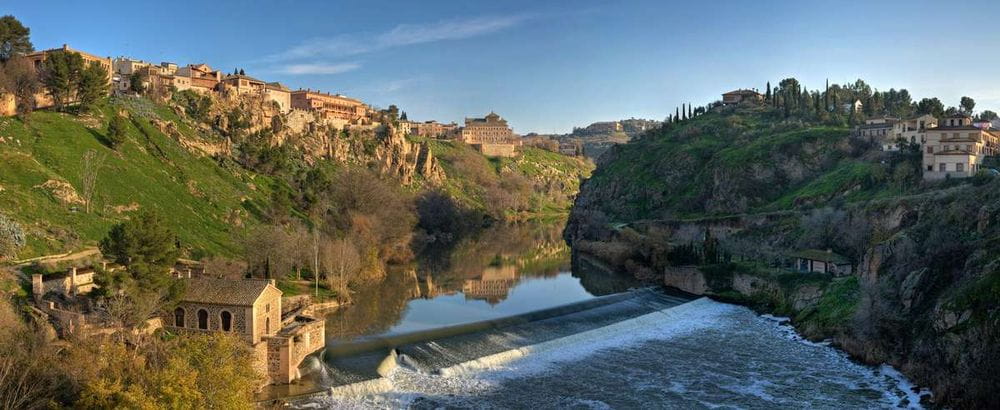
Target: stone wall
x=497 y=150
x=240 y=315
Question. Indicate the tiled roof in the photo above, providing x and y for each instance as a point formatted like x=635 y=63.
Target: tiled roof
x=241 y=76
x=823 y=256
x=240 y=292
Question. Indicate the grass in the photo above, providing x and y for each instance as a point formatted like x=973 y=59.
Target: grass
x=150 y=169
x=837 y=305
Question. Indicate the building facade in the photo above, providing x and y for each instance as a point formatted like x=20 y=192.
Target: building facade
x=737 y=96
x=250 y=309
x=956 y=147
x=490 y=135
x=332 y=107
x=43 y=99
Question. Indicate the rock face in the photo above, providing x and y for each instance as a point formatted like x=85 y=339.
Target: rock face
x=382 y=147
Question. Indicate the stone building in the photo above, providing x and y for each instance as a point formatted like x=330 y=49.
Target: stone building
x=492 y=285
x=737 y=96
x=251 y=309
x=242 y=84
x=956 y=147
x=280 y=94
x=43 y=99
x=203 y=79
x=490 y=135
x=814 y=260
x=333 y=108
x=74 y=282
x=432 y=129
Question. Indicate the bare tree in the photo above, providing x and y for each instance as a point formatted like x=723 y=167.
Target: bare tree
x=92 y=164
x=341 y=260
x=20 y=79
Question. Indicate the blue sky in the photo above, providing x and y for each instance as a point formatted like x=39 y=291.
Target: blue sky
x=547 y=65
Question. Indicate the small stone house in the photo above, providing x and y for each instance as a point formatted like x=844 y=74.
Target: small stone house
x=814 y=260
x=250 y=308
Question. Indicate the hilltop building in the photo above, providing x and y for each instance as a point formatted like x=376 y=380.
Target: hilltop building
x=956 y=147
x=251 y=309
x=737 y=96
x=333 y=108
x=280 y=94
x=43 y=99
x=490 y=135
x=432 y=129
x=854 y=107
x=202 y=78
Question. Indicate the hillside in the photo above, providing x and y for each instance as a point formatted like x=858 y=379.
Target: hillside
x=215 y=183
x=717 y=205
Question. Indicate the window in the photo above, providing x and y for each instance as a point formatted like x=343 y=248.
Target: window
x=942 y=167
x=267 y=326
x=179 y=317
x=930 y=167
x=226 y=319
x=202 y=319
x=960 y=167
x=930 y=149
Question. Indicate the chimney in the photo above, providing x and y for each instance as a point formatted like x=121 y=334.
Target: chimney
x=272 y=282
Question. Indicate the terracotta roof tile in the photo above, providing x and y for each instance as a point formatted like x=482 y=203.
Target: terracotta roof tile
x=226 y=291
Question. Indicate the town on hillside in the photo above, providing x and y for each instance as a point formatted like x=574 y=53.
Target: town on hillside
x=954 y=143
x=490 y=135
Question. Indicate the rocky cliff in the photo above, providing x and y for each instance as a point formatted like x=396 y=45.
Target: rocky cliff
x=678 y=207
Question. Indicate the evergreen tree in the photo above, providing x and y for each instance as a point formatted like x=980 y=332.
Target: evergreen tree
x=767 y=96
x=242 y=72
x=14 y=38
x=826 y=95
x=93 y=85
x=677 y=114
x=690 y=113
x=146 y=247
x=402 y=116
x=116 y=130
x=60 y=73
x=967 y=104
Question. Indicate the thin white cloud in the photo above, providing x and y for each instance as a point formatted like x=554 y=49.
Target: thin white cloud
x=401 y=35
x=319 y=68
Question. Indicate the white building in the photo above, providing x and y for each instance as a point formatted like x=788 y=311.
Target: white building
x=956 y=147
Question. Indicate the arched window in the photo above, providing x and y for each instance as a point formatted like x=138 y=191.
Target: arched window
x=202 y=319
x=179 y=317
x=267 y=326
x=227 y=320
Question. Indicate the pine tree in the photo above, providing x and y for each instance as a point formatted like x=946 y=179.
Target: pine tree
x=242 y=72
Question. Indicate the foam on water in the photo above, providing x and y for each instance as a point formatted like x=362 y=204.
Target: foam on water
x=700 y=354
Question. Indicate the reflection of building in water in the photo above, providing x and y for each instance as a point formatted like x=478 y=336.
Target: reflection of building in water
x=492 y=285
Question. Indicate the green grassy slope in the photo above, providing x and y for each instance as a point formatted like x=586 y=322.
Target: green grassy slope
x=737 y=162
x=202 y=200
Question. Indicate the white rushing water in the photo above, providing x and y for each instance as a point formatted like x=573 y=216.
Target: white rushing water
x=702 y=354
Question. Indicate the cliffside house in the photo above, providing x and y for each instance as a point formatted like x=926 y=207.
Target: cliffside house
x=432 y=129
x=43 y=99
x=333 y=108
x=814 y=260
x=737 y=96
x=280 y=94
x=490 y=135
x=878 y=129
x=956 y=148
x=251 y=309
x=203 y=79
x=242 y=84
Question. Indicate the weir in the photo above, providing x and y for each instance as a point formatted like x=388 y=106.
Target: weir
x=357 y=368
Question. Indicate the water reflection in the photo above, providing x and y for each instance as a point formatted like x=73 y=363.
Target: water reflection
x=502 y=271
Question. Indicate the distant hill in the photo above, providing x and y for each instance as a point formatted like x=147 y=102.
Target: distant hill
x=598 y=137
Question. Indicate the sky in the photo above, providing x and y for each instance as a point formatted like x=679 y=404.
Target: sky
x=547 y=66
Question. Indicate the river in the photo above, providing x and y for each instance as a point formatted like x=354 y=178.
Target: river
x=610 y=348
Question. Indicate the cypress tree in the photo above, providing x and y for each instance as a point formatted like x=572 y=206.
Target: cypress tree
x=826 y=95
x=767 y=96
x=690 y=112
x=677 y=114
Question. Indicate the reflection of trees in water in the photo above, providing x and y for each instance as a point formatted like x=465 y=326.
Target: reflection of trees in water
x=377 y=307
x=536 y=250
x=479 y=266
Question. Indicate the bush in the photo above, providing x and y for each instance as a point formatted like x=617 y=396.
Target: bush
x=116 y=130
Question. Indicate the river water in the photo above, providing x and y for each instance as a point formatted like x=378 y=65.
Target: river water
x=639 y=349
